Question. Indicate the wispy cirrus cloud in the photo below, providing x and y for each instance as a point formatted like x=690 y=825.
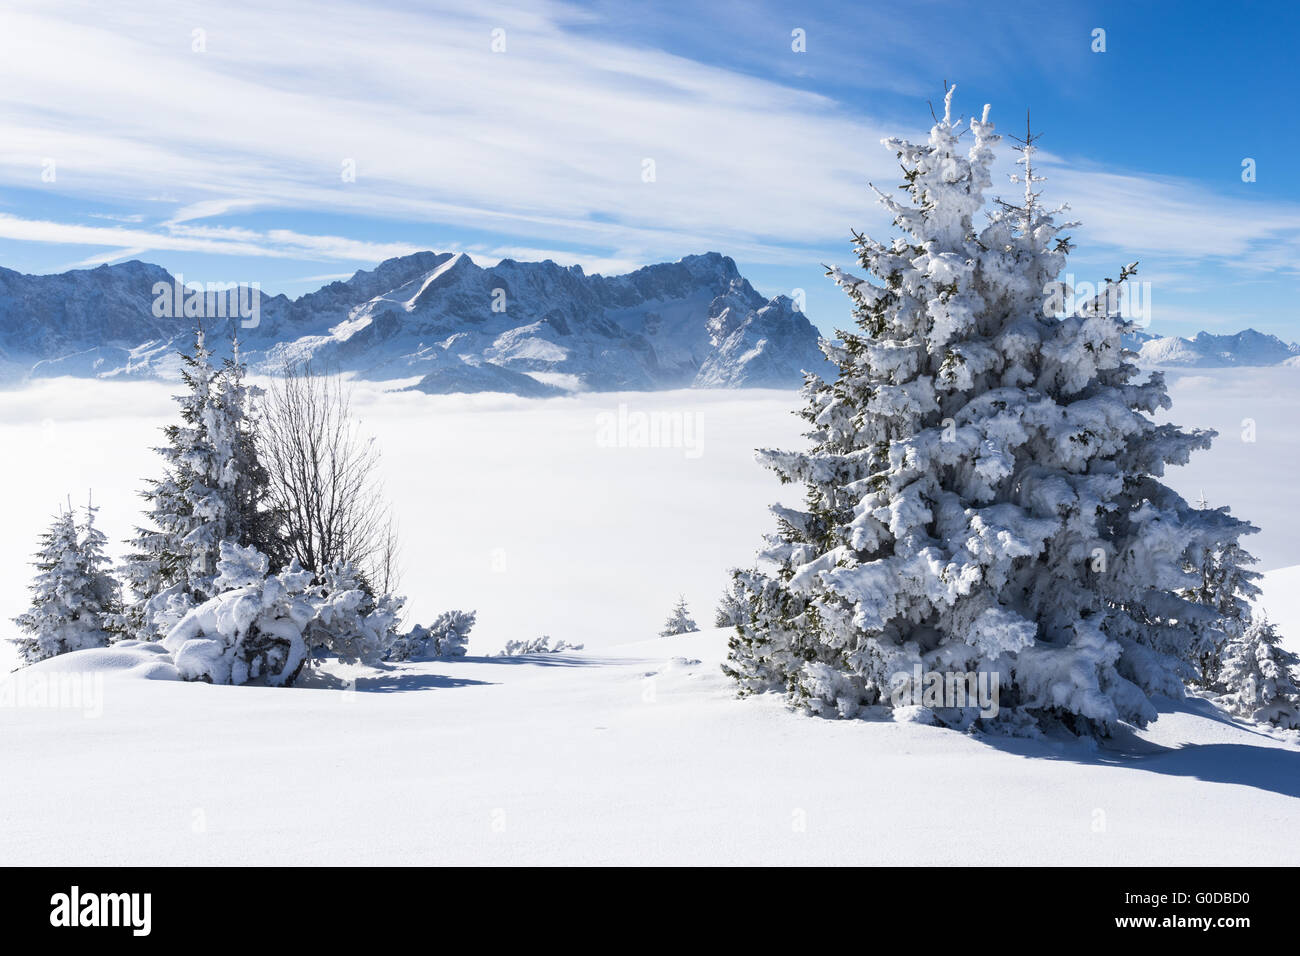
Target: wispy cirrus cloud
x=277 y=243
x=547 y=144
x=554 y=134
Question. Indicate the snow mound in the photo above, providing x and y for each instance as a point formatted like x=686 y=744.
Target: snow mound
x=135 y=659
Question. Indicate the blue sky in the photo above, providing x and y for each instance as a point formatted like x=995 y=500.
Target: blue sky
x=212 y=138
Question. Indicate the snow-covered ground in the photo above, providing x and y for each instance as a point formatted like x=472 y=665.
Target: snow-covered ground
x=540 y=516
x=637 y=754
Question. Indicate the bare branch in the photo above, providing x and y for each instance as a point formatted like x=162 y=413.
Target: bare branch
x=324 y=474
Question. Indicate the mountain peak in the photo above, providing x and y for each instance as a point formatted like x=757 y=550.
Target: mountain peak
x=1210 y=350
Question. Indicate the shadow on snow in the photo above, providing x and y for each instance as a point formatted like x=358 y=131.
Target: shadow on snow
x=1265 y=766
x=396 y=677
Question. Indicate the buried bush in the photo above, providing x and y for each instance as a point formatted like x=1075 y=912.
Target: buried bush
x=447 y=636
x=265 y=627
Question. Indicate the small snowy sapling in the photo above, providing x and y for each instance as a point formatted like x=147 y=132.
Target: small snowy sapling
x=75 y=600
x=679 y=620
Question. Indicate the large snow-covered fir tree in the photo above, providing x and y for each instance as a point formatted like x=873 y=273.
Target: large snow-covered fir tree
x=1259 y=676
x=982 y=487
x=75 y=600
x=212 y=490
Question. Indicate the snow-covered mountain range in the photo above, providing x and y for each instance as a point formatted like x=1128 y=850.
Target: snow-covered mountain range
x=531 y=328
x=1213 y=351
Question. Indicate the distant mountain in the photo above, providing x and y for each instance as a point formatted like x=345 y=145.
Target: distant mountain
x=1213 y=351
x=531 y=328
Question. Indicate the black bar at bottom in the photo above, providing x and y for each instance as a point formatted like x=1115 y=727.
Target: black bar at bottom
x=336 y=905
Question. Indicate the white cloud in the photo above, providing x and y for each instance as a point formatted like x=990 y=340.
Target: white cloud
x=605 y=265
x=545 y=140
x=208 y=208
x=277 y=243
x=1177 y=219
x=542 y=144
x=113 y=255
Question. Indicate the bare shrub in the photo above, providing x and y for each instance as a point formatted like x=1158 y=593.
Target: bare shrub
x=324 y=478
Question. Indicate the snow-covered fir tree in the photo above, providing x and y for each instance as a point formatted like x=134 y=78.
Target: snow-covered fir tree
x=731 y=608
x=982 y=485
x=679 y=620
x=1259 y=676
x=75 y=600
x=211 y=491
x=256 y=523
x=1224 y=583
x=102 y=584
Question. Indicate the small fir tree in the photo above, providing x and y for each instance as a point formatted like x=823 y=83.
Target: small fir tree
x=1259 y=677
x=679 y=620
x=731 y=609
x=75 y=600
x=1223 y=583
